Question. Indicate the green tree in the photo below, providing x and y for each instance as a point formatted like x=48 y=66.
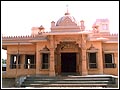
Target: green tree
x=3 y=61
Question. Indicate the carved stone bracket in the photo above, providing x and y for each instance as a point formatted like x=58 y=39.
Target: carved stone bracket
x=82 y=41
x=56 y=43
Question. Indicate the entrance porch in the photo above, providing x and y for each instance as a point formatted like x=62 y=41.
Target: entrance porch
x=68 y=58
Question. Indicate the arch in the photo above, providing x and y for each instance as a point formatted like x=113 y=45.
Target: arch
x=68 y=48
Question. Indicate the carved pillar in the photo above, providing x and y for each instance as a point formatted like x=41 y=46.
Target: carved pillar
x=52 y=58
x=116 y=58
x=8 y=62
x=84 y=60
x=38 y=61
x=57 y=63
x=116 y=61
x=52 y=63
x=80 y=64
x=84 y=63
x=22 y=61
x=100 y=61
x=77 y=62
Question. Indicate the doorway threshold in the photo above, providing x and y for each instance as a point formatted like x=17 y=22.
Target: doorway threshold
x=69 y=73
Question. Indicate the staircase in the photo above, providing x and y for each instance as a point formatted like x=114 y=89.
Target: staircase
x=68 y=81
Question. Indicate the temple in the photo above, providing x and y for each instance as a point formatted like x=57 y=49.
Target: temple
x=67 y=48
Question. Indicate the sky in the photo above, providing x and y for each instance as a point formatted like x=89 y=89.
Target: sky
x=18 y=17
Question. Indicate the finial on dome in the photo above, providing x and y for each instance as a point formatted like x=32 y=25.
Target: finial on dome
x=67 y=13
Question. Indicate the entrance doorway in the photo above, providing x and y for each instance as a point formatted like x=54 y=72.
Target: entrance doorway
x=68 y=62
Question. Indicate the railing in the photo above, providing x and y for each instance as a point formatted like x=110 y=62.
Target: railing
x=110 y=65
x=29 y=66
x=45 y=66
x=92 y=65
x=14 y=66
x=26 y=66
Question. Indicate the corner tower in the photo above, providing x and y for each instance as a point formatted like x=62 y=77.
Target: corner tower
x=101 y=26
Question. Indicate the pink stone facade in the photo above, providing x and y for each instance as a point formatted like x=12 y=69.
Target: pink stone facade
x=67 y=48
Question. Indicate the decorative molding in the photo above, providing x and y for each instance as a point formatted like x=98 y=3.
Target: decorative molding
x=92 y=47
x=67 y=39
x=110 y=51
x=45 y=50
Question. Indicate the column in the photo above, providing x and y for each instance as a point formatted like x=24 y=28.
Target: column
x=38 y=61
x=77 y=63
x=100 y=60
x=52 y=58
x=59 y=63
x=84 y=60
x=22 y=61
x=52 y=63
x=116 y=62
x=8 y=63
x=116 y=58
x=84 y=63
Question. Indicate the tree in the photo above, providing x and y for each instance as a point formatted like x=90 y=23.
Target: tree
x=3 y=61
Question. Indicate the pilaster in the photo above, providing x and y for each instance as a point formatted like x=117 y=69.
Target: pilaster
x=84 y=60
x=84 y=63
x=100 y=61
x=52 y=58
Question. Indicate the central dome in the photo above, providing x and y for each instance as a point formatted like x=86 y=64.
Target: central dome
x=67 y=19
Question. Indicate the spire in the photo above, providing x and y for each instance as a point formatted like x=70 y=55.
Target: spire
x=67 y=13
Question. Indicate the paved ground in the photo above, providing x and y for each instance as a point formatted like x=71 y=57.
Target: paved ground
x=8 y=83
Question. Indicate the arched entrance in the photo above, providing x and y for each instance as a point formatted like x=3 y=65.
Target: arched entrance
x=68 y=58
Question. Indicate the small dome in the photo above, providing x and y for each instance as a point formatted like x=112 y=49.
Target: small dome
x=41 y=27
x=66 y=16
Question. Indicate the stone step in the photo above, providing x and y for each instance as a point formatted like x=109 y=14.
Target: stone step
x=64 y=77
x=72 y=79
x=63 y=81
x=67 y=77
x=66 y=82
x=64 y=85
x=38 y=76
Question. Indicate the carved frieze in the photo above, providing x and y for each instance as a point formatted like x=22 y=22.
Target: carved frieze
x=67 y=45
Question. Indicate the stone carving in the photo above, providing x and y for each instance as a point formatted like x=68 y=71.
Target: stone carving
x=92 y=47
x=66 y=45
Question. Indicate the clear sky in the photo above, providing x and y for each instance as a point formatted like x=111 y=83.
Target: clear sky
x=18 y=17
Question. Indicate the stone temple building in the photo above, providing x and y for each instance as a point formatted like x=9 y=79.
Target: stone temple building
x=67 y=48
